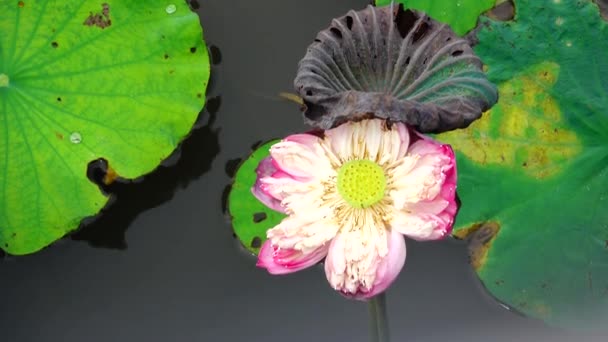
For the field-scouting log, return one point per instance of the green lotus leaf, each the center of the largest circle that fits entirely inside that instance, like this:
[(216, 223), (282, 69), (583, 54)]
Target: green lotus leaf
[(84, 80), (461, 15), (533, 172), (250, 218)]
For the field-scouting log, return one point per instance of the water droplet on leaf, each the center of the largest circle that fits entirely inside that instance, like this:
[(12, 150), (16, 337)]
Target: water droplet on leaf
[(171, 9), (75, 138)]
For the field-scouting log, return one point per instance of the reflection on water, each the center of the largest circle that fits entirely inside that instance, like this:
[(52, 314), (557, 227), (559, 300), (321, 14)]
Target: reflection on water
[(129, 198)]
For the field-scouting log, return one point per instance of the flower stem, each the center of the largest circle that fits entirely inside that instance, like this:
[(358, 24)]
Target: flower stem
[(378, 319)]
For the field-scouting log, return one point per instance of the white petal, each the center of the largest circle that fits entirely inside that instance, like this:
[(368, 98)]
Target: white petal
[(420, 184), (389, 147), (303, 233), (282, 187), (339, 139), (355, 255), (373, 137), (419, 226), (433, 207)]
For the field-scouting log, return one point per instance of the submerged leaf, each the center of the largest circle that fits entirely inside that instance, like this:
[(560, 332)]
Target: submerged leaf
[(80, 81), (533, 172), (396, 64)]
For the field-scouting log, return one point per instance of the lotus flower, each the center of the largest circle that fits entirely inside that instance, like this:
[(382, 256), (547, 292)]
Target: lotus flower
[(351, 195)]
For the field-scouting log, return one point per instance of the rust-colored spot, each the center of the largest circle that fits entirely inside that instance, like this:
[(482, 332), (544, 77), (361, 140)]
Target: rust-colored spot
[(110, 176), (101, 20), (603, 5), (59, 135), (21, 4), (533, 306), (479, 237), (504, 11)]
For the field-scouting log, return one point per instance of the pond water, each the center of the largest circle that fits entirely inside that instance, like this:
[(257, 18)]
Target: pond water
[(162, 265)]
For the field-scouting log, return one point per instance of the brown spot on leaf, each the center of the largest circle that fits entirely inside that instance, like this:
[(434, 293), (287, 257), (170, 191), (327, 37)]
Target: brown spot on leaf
[(59, 135), (603, 5), (503, 12), (479, 237), (541, 309), (110, 176), (21, 4), (101, 20)]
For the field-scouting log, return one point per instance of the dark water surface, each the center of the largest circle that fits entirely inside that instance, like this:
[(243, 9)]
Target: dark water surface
[(162, 265)]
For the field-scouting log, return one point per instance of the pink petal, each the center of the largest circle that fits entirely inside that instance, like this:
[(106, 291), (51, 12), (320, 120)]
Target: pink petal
[(432, 216), (434, 169), (284, 261), (266, 168), (423, 145), (448, 189), (448, 193), (308, 140), (404, 135)]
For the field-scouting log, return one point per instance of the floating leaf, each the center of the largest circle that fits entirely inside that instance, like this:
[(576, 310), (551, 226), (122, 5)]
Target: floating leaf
[(250, 218), (534, 170), (392, 63), (461, 15), (79, 81)]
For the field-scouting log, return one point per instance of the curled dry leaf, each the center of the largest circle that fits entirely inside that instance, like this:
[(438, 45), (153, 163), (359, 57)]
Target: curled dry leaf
[(394, 64)]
